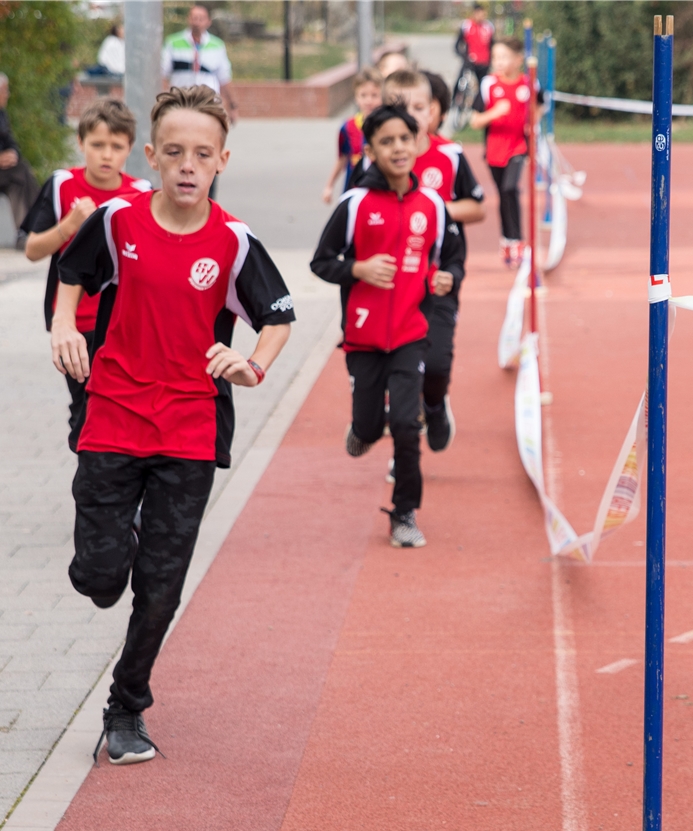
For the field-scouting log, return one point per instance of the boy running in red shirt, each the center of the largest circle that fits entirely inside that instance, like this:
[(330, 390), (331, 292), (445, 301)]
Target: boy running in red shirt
[(106, 133), (367, 95), (442, 166), (174, 271), (502, 109), (389, 244)]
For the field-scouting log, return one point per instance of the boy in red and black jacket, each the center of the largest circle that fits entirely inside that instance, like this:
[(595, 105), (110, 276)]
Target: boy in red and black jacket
[(389, 245)]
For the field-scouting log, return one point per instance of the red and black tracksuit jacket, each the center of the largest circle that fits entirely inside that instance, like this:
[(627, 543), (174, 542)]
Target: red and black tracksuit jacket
[(416, 230)]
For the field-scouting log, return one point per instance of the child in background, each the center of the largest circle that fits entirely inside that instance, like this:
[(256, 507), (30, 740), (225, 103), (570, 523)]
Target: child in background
[(392, 61), (367, 96), (442, 166), (388, 245), (175, 271), (502, 109), (106, 133), (440, 101)]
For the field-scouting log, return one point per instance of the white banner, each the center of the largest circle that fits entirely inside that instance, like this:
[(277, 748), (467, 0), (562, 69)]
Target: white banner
[(511, 330)]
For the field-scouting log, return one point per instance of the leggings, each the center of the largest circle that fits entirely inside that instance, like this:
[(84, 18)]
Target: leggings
[(507, 181)]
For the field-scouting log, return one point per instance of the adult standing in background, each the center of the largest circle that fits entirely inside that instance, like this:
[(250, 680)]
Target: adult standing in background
[(112, 51), (193, 57), (475, 40), (17, 181)]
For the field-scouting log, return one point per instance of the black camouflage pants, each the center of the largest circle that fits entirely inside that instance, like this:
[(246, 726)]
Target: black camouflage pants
[(107, 490), (442, 320)]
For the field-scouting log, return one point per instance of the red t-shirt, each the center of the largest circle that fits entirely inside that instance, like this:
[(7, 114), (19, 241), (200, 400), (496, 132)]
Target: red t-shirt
[(57, 198), (148, 393), (478, 37), (505, 136)]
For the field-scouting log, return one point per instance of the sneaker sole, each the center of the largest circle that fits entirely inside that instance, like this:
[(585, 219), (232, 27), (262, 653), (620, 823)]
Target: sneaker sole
[(389, 478), (133, 758), (396, 544)]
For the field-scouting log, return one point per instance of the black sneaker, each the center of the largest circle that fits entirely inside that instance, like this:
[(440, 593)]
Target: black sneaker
[(404, 532), (440, 426), (128, 741), (354, 445)]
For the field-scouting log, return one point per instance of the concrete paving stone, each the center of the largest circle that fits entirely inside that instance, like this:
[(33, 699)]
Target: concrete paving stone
[(20, 681), (72, 661), (7, 803), (45, 633), (55, 646), (10, 634), (93, 646), (41, 616), (35, 739), (53, 715), (11, 784), (8, 719), (19, 761), (26, 606), (11, 586), (69, 680)]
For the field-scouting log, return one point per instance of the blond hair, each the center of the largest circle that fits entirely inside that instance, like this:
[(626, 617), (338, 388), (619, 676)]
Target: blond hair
[(109, 111), (407, 79), (199, 99), (368, 75)]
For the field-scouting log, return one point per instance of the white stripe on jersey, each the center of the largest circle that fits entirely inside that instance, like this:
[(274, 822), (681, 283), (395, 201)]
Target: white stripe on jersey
[(59, 177), (233, 304), (355, 197), (112, 206), (485, 88)]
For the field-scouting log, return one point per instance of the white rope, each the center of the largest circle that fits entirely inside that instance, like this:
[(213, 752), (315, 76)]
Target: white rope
[(624, 105)]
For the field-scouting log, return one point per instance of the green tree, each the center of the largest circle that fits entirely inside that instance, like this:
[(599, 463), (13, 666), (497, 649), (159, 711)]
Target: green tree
[(37, 41), (605, 48)]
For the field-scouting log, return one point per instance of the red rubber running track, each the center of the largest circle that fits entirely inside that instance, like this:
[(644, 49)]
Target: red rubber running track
[(320, 679)]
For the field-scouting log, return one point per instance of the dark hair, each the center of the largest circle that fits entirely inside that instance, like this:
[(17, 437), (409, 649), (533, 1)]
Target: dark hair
[(477, 7), (440, 91), (110, 111), (512, 43), (200, 99), (113, 31), (386, 113)]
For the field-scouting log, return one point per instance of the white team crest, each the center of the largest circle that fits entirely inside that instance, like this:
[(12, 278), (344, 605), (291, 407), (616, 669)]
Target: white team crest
[(204, 273), (418, 223), (376, 219), (522, 93), (432, 178), (497, 92)]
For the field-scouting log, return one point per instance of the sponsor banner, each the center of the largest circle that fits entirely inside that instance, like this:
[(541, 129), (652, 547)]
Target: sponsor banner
[(511, 331)]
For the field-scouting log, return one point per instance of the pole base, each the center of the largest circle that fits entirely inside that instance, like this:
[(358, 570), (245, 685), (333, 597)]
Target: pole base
[(546, 398)]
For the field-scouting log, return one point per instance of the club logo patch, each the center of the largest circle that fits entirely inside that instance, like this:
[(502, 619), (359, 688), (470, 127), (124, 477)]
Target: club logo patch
[(376, 219), (498, 92), (418, 223), (129, 251), (432, 178), (204, 273), (522, 93)]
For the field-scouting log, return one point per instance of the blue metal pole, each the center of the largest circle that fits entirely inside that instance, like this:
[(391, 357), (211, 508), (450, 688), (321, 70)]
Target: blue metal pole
[(548, 119), (529, 46), (658, 295)]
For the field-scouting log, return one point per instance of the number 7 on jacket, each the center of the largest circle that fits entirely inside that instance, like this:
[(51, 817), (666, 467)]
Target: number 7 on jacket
[(362, 315)]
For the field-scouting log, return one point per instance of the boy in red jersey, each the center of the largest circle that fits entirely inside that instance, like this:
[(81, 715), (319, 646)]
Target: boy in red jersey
[(106, 133), (475, 39), (442, 166), (367, 95), (174, 271), (388, 245), (502, 109)]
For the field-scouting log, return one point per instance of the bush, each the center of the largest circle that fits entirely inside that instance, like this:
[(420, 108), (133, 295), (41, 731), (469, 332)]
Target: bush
[(605, 48), (37, 41)]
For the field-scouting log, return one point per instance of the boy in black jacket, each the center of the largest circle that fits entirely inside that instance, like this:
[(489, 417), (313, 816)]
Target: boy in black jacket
[(389, 244)]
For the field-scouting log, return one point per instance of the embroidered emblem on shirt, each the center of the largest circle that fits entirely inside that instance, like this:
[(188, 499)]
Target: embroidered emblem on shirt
[(129, 251), (522, 93), (432, 178), (204, 273), (418, 223), (376, 219), (283, 304)]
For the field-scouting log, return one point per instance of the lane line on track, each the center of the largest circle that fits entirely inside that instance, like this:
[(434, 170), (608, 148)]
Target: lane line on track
[(55, 785), (617, 666), (567, 689), (686, 637)]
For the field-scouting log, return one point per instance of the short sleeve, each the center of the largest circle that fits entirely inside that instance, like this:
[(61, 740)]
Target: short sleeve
[(466, 185), (87, 259), (257, 291), (41, 215), (224, 73)]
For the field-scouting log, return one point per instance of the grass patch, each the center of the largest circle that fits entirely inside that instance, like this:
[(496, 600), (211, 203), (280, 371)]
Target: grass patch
[(263, 60), (637, 129)]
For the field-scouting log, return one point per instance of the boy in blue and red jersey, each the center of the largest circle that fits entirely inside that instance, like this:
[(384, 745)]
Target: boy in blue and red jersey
[(367, 96), (389, 245), (502, 109), (106, 133)]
